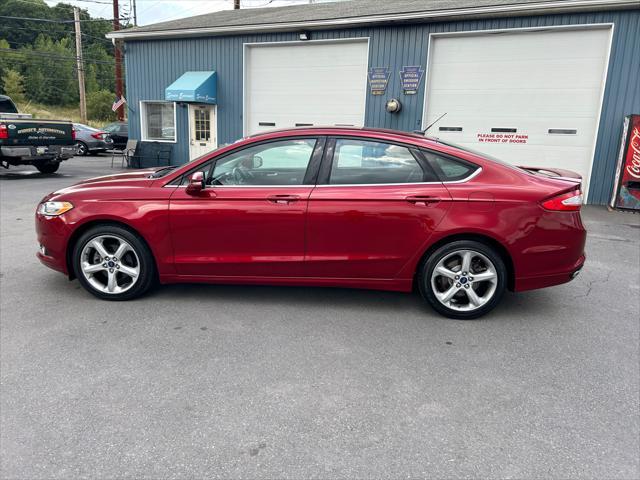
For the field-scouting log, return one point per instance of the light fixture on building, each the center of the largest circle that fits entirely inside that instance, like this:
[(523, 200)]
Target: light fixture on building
[(393, 105), (305, 36)]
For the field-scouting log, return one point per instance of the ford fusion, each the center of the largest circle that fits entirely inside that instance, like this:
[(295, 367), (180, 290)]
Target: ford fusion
[(339, 207)]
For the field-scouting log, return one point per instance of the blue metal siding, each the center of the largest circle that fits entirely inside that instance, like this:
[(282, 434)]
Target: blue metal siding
[(151, 65)]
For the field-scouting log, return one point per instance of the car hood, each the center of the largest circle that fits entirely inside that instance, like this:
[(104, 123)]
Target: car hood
[(120, 177), (137, 178)]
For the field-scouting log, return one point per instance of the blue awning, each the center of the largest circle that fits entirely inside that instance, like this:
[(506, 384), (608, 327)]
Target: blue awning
[(193, 87)]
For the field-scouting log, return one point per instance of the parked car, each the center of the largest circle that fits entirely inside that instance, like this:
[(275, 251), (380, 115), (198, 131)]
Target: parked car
[(119, 133), (342, 207), (28, 141), (91, 140)]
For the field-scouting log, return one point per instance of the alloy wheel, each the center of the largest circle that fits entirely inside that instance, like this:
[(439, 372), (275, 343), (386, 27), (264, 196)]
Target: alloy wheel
[(81, 148), (110, 264), (464, 280)]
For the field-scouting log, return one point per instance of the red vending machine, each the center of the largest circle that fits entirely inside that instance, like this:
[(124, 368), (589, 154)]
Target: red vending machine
[(626, 192)]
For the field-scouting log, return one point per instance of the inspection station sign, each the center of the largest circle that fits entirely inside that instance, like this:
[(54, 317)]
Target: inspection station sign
[(378, 79), (410, 77)]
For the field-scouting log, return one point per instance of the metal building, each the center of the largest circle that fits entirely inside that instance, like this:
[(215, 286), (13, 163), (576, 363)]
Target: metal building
[(537, 83)]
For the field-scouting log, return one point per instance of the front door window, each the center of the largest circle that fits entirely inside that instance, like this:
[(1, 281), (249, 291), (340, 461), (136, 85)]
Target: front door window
[(202, 122), (276, 163)]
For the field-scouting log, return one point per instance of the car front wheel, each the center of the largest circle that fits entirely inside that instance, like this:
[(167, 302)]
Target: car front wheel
[(113, 263), (464, 279)]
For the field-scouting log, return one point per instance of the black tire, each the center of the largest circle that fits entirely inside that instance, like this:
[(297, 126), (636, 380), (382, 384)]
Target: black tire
[(147, 276), (81, 148), (49, 167), (426, 286)]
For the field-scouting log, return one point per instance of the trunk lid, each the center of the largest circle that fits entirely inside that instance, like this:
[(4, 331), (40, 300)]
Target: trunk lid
[(571, 177)]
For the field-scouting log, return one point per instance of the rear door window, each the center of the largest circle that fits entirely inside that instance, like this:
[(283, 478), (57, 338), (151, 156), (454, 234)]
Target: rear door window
[(362, 162)]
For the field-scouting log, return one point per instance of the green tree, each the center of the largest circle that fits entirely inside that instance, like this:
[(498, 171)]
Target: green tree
[(13, 84), (50, 75), (99, 68), (99, 105), (44, 52)]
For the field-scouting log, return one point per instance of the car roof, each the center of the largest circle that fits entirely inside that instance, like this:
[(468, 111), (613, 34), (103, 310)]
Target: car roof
[(384, 134), (399, 135)]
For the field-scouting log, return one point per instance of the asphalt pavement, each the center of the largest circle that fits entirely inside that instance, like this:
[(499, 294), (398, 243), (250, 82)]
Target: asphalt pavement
[(198, 381)]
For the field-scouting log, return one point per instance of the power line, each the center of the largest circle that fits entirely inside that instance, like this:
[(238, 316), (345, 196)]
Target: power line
[(49, 33), (53, 56), (103, 2), (48, 20), (104, 81), (52, 53)]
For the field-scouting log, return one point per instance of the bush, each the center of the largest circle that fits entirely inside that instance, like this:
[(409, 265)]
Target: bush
[(13, 84), (99, 105)]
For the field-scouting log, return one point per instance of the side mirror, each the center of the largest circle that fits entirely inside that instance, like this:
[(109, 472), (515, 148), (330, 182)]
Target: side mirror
[(196, 183)]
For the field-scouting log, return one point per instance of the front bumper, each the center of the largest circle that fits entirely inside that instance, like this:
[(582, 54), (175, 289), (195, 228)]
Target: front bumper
[(53, 234)]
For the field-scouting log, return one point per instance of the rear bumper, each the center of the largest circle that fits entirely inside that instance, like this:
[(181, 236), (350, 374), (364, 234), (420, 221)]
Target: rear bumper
[(99, 145), (557, 278), (30, 154)]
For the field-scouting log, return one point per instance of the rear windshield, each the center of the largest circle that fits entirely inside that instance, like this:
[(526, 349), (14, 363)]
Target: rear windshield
[(480, 154), (7, 106)]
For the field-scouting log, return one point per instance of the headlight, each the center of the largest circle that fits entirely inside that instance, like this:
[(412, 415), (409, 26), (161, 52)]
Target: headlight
[(53, 209)]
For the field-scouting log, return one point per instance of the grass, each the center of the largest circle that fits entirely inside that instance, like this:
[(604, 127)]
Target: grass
[(52, 112)]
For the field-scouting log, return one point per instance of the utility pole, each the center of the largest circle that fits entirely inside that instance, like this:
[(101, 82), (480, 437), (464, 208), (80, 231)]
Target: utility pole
[(236, 4), (80, 65), (135, 14), (118, 58)]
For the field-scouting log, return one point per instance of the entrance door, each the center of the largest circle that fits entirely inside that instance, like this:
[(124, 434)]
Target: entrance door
[(202, 130)]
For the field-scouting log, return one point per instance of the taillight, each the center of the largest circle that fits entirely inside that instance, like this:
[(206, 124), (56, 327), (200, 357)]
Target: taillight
[(4, 132), (565, 202), (73, 133), (98, 135)]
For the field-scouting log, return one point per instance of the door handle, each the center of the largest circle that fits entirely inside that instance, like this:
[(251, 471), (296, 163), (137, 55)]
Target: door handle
[(284, 199), (422, 199)]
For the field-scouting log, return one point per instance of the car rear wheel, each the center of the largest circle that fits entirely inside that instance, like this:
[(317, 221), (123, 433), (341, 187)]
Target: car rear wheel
[(49, 167), (464, 279), (113, 263), (81, 148)]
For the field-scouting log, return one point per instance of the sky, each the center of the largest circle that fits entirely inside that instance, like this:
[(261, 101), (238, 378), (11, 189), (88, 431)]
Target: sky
[(154, 11)]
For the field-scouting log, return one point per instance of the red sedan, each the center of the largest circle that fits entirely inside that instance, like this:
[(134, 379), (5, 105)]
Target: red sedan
[(341, 207)]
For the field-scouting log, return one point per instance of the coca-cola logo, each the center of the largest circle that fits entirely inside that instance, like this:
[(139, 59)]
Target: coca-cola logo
[(634, 168)]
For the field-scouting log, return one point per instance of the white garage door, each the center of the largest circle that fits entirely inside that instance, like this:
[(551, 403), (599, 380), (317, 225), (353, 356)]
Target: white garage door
[(305, 84), (530, 98)]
